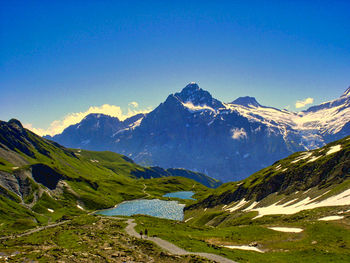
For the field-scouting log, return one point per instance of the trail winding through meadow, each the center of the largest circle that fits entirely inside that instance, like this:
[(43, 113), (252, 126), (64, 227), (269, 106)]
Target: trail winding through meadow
[(170, 247)]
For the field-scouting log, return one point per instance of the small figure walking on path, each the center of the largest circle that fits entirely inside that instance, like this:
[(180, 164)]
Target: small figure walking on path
[(141, 234), (146, 232)]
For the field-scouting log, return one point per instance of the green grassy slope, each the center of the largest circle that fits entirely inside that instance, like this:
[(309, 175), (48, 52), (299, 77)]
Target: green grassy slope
[(41, 181)]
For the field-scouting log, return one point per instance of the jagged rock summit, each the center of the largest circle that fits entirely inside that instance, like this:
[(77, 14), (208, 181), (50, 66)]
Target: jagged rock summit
[(246, 101), (347, 92), (196, 96), (15, 123)]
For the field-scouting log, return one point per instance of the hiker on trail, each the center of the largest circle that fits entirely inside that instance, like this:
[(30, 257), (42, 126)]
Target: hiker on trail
[(146, 232), (141, 234)]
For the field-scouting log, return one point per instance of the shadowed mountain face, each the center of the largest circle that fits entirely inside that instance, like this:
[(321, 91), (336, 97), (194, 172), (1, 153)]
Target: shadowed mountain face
[(94, 132), (228, 141)]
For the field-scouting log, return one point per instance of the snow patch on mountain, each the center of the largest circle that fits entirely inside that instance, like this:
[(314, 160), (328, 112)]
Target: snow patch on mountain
[(194, 108), (238, 134), (334, 149), (293, 207), (302, 157), (135, 124), (330, 218)]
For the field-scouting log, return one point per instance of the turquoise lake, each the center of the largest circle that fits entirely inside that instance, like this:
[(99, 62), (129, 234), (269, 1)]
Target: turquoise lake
[(154, 207), (181, 195)]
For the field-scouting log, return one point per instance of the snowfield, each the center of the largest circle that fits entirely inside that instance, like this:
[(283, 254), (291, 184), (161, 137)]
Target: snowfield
[(293, 206)]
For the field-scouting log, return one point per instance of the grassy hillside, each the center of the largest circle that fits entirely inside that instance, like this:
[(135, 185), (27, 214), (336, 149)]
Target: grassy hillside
[(41, 181)]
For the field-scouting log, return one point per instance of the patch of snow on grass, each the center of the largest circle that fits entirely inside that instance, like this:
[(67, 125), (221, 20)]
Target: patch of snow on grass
[(252, 205), (330, 218), (287, 229), (334, 149), (188, 219), (245, 248), (314, 159), (237, 206), (50, 210), (302, 157), (307, 203), (307, 190), (278, 167), (80, 207), (287, 203)]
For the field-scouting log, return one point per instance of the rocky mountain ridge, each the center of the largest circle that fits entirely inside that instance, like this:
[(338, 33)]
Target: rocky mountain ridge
[(227, 141)]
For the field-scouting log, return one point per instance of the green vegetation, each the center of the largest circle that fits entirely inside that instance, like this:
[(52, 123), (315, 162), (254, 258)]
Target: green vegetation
[(86, 238), (319, 242), (44, 182)]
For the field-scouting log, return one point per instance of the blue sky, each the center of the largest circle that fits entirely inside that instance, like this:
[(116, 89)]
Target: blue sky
[(59, 58)]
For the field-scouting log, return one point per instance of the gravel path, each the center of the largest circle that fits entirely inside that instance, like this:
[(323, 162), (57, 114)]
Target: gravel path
[(170, 247), (144, 190), (35, 230)]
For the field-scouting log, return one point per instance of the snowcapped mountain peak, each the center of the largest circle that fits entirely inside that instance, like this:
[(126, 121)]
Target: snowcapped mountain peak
[(346, 93), (246, 101), (196, 96), (190, 88)]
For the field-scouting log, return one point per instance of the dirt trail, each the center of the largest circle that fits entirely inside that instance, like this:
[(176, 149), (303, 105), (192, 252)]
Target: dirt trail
[(170, 247), (35, 230), (144, 191)]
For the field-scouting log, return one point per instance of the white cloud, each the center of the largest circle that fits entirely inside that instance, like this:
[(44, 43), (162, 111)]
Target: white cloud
[(58, 126), (134, 104), (303, 103), (238, 134)]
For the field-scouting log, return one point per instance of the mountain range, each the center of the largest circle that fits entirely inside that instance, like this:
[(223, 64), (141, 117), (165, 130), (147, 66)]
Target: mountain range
[(296, 210), (227, 141)]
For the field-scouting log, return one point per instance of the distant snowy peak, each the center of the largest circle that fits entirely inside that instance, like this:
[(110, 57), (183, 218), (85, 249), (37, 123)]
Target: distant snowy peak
[(343, 101), (196, 96), (346, 93), (246, 101)]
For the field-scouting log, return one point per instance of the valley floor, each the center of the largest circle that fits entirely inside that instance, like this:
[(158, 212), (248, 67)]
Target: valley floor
[(94, 238)]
